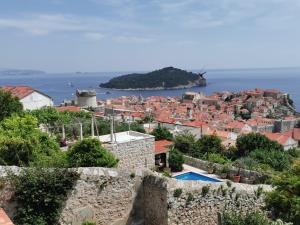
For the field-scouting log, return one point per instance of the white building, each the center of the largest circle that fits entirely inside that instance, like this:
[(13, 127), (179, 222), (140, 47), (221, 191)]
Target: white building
[(30, 98)]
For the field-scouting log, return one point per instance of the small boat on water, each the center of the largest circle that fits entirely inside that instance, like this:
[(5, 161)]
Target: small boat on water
[(70, 84), (107, 93)]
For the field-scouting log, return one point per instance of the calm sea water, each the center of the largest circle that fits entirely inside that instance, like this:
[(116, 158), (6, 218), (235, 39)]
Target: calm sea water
[(57, 85)]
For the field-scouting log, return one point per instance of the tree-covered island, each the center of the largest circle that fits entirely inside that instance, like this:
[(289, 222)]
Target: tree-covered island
[(166, 78)]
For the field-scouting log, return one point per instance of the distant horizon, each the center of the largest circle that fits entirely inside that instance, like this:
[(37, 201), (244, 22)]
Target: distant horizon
[(133, 35), (142, 71)]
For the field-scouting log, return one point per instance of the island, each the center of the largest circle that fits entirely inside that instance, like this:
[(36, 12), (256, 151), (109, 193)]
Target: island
[(166, 78)]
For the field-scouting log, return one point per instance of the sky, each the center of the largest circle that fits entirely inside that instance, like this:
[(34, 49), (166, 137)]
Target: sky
[(142, 35)]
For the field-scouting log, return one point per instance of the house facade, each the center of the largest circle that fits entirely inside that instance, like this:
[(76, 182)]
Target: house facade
[(30, 98)]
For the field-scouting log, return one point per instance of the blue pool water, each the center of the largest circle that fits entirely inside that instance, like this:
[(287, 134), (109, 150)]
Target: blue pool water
[(195, 176)]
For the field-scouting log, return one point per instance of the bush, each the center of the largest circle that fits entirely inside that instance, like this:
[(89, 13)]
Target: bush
[(177, 192), (278, 160), (205, 190), (185, 143), (247, 143), (89, 153), (208, 144), (162, 133), (40, 195), (284, 201), (9, 105), (88, 223), (217, 158), (176, 160), (23, 144), (250, 218)]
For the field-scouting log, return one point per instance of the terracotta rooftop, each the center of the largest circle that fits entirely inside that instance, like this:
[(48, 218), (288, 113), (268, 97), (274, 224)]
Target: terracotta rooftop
[(18, 91), (4, 219), (162, 146), (21, 91), (68, 108)]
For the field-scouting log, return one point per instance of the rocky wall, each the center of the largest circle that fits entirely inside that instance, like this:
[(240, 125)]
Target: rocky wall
[(254, 176), (134, 154)]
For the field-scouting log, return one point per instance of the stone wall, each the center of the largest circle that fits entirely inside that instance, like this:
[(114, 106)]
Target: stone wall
[(193, 205), (155, 199), (114, 197), (254, 176), (134, 154)]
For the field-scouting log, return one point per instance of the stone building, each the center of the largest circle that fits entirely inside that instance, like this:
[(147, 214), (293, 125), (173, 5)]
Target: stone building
[(86, 98), (133, 149)]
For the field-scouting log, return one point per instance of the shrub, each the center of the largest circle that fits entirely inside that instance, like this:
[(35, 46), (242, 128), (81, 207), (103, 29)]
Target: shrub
[(88, 153), (278, 160), (88, 223), (177, 192), (176, 160), (9, 105), (284, 201), (23, 144), (162, 133), (190, 198), (167, 174), (208, 144), (247, 143), (217, 158), (205, 190), (185, 142), (40, 194), (238, 218)]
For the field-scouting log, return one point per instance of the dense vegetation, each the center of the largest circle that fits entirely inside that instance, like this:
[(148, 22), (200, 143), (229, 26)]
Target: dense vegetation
[(23, 144), (162, 133), (9, 105), (284, 201), (168, 77), (90, 153), (176, 160), (253, 151), (40, 195), (249, 218)]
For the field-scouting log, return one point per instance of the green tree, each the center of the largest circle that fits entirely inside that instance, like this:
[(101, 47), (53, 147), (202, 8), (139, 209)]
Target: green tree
[(176, 160), (284, 201), (185, 142), (247, 143), (208, 144), (21, 138), (15, 151), (9, 105), (162, 133), (40, 195), (89, 153)]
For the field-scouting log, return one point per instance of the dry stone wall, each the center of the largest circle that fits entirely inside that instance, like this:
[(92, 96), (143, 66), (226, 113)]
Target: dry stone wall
[(134, 154), (141, 197)]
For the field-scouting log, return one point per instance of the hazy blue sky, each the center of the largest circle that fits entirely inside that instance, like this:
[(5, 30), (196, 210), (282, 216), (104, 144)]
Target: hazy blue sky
[(126, 35)]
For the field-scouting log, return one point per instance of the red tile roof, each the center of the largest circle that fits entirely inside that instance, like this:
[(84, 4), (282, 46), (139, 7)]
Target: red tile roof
[(21, 91), (162, 146), (4, 219), (18, 91), (68, 108), (296, 134), (279, 137)]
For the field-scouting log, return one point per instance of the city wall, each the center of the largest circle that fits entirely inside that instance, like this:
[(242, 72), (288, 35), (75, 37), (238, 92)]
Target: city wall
[(113, 197)]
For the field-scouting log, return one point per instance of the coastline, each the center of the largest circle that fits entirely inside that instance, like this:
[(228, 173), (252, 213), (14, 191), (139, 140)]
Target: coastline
[(156, 88)]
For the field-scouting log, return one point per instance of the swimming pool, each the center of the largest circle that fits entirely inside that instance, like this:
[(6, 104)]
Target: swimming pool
[(195, 176)]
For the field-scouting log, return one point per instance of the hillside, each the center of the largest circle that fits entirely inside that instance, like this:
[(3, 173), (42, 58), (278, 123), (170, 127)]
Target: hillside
[(166, 78)]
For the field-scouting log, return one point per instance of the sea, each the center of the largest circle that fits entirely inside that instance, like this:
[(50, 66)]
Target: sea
[(61, 86)]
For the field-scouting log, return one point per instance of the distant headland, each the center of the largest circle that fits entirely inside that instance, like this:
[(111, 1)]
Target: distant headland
[(166, 78)]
